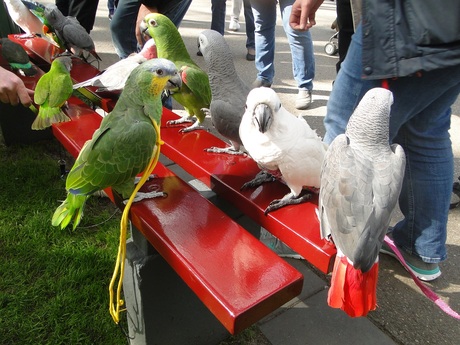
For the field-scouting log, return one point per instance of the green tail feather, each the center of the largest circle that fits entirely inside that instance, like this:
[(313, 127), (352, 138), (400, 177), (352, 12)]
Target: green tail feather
[(70, 210), (47, 116)]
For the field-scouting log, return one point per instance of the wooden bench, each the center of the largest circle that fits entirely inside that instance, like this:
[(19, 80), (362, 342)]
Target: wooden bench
[(235, 276)]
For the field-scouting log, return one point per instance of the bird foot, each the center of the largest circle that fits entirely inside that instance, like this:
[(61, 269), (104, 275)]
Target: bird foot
[(184, 119), (141, 196), (151, 177), (261, 178), (193, 127), (287, 200), (228, 150)]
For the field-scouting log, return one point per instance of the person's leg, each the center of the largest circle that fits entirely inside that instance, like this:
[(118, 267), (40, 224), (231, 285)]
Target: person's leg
[(218, 8), (234, 24), (347, 90), (84, 11), (303, 59), (250, 40), (123, 27), (264, 12), (345, 27), (421, 126), (176, 10)]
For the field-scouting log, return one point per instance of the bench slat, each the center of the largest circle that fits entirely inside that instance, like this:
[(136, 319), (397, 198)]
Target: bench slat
[(295, 225), (237, 277)]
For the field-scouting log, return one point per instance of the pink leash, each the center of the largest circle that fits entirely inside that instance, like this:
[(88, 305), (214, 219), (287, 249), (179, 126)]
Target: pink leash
[(426, 290)]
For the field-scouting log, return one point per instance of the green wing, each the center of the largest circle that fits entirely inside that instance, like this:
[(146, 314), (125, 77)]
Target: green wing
[(195, 92), (118, 151), (60, 89)]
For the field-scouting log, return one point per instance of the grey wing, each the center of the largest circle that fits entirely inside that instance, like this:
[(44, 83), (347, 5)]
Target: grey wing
[(226, 118), (76, 35)]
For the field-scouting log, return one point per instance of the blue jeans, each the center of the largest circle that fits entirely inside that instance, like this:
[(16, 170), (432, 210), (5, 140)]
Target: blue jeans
[(300, 43), (123, 24), (420, 120), (218, 9)]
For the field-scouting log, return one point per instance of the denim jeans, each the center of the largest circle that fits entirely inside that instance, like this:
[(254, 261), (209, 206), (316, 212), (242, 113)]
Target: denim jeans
[(419, 122), (300, 43), (218, 9), (123, 24)]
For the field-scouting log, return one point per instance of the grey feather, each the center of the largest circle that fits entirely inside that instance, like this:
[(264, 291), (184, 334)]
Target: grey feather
[(229, 92), (69, 31), (361, 180)]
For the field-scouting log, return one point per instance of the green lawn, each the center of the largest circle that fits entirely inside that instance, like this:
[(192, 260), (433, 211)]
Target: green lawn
[(54, 283)]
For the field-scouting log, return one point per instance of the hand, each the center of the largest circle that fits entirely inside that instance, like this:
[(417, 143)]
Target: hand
[(143, 11), (13, 90), (303, 14)]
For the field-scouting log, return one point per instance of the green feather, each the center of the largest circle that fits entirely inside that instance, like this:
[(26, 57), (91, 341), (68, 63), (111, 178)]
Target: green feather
[(121, 148)]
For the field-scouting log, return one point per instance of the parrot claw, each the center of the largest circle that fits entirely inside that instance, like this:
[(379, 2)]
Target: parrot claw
[(181, 120), (141, 196), (151, 177), (261, 177), (228, 150), (193, 127), (289, 199)]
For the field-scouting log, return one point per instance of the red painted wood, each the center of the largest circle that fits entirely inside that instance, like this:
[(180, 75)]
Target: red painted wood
[(295, 225), (41, 52), (237, 277)]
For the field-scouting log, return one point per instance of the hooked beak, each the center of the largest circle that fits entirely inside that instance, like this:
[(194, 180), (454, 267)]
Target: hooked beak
[(263, 117), (174, 82)]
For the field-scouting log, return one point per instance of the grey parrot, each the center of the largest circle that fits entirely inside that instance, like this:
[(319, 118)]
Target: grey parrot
[(229, 92), (69, 31), (283, 145), (361, 180), (114, 77)]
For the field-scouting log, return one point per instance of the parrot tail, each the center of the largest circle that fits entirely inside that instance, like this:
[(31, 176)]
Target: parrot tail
[(70, 210), (47, 116), (352, 290)]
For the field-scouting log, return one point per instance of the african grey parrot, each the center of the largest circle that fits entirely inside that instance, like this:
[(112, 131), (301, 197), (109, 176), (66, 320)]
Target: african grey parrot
[(70, 32), (282, 144), (229, 92), (361, 180)]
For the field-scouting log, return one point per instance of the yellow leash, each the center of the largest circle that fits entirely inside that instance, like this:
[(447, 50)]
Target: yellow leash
[(115, 305)]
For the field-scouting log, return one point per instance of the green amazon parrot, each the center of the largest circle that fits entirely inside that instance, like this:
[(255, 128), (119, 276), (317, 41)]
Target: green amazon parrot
[(123, 145), (195, 93), (53, 90)]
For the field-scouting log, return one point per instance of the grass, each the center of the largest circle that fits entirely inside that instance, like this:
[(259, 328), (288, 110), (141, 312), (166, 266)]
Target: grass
[(54, 283)]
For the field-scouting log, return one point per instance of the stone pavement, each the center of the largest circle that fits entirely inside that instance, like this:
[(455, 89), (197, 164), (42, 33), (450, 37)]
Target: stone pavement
[(404, 315)]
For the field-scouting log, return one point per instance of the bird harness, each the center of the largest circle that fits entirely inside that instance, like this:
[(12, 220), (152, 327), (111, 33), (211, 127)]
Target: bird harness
[(116, 302)]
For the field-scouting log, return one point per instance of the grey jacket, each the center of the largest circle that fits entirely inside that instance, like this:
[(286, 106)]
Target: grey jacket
[(403, 37)]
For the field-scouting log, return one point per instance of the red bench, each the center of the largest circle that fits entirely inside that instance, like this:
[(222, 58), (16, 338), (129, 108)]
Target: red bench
[(238, 278)]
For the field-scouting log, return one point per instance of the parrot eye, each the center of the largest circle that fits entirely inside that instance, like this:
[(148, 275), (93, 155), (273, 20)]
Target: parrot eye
[(160, 71), (153, 22)]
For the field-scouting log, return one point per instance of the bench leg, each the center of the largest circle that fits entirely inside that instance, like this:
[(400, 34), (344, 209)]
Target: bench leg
[(161, 308)]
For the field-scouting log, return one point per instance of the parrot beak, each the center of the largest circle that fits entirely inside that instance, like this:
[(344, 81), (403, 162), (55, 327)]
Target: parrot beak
[(174, 82), (143, 28), (263, 117)]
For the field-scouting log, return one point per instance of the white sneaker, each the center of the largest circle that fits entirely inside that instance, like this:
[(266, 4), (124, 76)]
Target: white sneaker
[(234, 25), (303, 99)]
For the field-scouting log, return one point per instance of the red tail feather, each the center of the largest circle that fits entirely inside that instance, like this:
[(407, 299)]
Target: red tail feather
[(351, 290)]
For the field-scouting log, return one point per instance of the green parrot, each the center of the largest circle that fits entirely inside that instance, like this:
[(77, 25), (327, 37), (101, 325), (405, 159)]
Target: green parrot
[(195, 93), (123, 145), (52, 91)]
